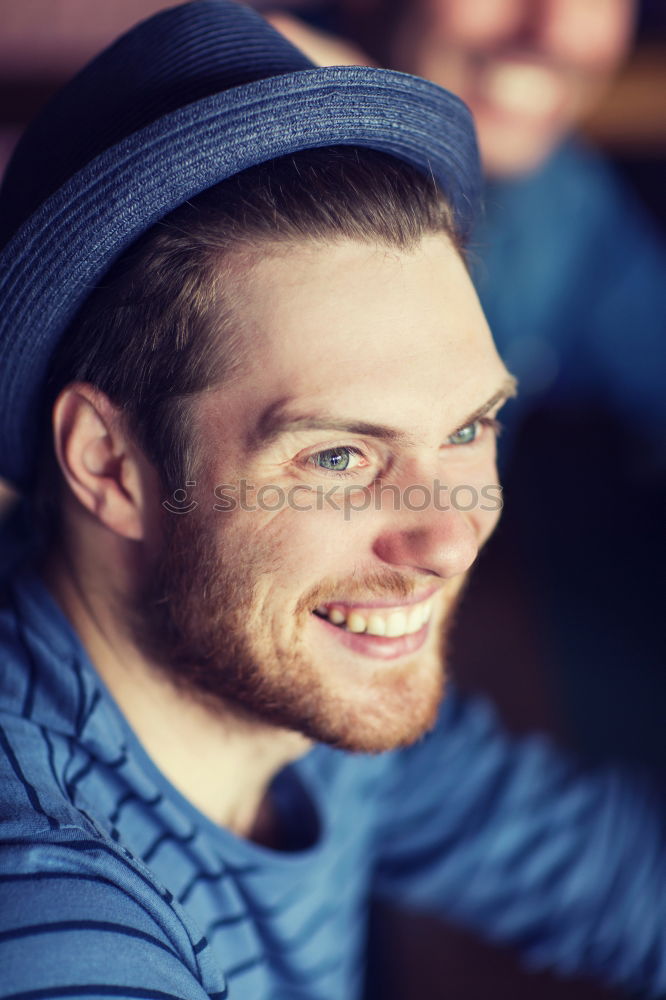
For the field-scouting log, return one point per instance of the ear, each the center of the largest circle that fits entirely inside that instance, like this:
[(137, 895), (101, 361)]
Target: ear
[(104, 469)]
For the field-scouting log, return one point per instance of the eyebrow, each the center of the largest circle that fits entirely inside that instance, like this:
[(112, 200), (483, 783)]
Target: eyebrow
[(274, 422)]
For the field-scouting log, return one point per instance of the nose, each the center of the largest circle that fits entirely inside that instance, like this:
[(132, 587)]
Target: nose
[(439, 541), (480, 22)]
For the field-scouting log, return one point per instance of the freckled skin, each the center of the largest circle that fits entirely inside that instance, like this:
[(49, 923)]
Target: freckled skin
[(371, 333)]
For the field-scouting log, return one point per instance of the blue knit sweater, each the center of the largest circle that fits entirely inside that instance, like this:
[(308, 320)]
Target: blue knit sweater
[(113, 885)]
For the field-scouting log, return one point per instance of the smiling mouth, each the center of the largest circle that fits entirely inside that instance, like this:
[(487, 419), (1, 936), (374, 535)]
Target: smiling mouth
[(525, 89), (391, 623)]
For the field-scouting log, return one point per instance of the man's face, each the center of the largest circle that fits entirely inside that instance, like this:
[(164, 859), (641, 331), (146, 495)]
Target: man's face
[(370, 485), (528, 69)]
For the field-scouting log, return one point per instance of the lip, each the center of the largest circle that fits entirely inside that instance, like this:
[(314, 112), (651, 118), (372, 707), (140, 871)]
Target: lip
[(378, 647), (357, 606)]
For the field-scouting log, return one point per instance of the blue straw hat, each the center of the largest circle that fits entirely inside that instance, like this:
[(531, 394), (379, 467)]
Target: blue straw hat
[(186, 99)]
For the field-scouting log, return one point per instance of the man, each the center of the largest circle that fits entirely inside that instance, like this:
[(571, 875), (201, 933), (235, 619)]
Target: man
[(265, 464), (578, 316)]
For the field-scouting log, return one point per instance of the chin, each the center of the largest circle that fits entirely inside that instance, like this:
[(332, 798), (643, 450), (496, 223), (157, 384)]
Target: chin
[(351, 692), (511, 148), (517, 152), (389, 727), (385, 708)]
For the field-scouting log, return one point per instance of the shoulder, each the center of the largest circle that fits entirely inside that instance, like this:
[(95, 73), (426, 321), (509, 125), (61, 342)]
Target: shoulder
[(81, 915), (80, 912), (69, 892)]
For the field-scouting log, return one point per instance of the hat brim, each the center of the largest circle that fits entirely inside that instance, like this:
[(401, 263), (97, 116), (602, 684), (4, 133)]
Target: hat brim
[(54, 261)]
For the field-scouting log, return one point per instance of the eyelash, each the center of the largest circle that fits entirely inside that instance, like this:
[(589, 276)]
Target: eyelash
[(492, 422), (344, 474)]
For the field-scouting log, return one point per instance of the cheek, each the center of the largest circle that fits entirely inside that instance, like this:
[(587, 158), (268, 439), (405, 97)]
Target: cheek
[(593, 35), (488, 512), (436, 60), (480, 504), (474, 490), (312, 534)]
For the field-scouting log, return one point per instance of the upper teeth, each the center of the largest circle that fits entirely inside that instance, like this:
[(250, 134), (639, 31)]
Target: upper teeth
[(379, 621)]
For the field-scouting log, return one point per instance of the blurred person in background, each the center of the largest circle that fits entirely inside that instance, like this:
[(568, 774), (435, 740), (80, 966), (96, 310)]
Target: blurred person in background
[(528, 69)]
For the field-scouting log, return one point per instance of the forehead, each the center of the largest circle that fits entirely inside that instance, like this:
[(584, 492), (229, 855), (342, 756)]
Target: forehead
[(368, 330)]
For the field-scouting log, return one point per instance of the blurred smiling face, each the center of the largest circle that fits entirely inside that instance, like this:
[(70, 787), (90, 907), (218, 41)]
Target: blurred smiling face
[(371, 377), (528, 69)]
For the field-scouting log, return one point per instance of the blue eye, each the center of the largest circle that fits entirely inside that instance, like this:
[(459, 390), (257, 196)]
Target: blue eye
[(334, 459), (466, 434)]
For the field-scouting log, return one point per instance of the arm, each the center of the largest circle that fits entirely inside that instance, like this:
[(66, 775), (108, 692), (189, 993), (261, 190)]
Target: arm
[(510, 838)]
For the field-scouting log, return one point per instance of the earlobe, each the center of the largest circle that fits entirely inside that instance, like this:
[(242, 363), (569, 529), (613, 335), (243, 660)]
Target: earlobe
[(98, 459)]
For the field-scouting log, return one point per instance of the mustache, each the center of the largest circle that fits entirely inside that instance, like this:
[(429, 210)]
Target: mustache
[(385, 583)]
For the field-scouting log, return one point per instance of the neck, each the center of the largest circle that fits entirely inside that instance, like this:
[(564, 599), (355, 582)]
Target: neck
[(220, 761)]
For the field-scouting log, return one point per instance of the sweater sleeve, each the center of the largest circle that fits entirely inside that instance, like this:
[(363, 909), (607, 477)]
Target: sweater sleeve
[(509, 837), (79, 920)]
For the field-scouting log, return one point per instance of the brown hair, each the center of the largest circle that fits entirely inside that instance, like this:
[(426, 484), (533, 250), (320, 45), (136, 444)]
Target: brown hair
[(159, 328)]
